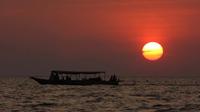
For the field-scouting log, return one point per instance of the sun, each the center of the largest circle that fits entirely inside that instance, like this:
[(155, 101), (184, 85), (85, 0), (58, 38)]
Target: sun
[(152, 51)]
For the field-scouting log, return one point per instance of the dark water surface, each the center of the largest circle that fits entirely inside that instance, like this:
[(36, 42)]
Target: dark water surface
[(25, 95)]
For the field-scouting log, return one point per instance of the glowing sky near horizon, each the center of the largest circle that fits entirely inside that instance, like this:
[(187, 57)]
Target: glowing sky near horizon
[(37, 36)]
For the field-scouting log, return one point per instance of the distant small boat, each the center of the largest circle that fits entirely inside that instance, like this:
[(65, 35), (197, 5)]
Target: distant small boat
[(78, 78)]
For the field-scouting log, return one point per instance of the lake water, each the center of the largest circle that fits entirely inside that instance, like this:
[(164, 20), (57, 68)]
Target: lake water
[(152, 95)]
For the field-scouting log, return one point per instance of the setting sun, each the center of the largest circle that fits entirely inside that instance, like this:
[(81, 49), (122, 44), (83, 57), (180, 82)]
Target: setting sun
[(152, 51)]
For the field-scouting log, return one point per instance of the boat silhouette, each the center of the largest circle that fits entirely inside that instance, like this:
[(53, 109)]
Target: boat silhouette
[(78, 78)]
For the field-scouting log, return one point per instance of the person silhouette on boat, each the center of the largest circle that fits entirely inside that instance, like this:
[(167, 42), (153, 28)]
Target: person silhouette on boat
[(63, 78), (113, 78), (68, 78), (54, 77), (51, 76)]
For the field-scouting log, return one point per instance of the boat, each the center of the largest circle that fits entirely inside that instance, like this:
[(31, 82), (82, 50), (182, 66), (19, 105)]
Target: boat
[(78, 78)]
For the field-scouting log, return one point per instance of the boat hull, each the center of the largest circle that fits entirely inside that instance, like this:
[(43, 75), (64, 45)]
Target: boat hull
[(73, 82)]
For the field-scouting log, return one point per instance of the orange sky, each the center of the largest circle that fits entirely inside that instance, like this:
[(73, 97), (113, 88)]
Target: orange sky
[(37, 36)]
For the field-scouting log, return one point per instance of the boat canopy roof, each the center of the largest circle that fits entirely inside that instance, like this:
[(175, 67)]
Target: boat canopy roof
[(77, 72)]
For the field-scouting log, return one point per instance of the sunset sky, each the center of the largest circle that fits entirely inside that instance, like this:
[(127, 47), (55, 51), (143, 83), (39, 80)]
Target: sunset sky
[(37, 36)]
